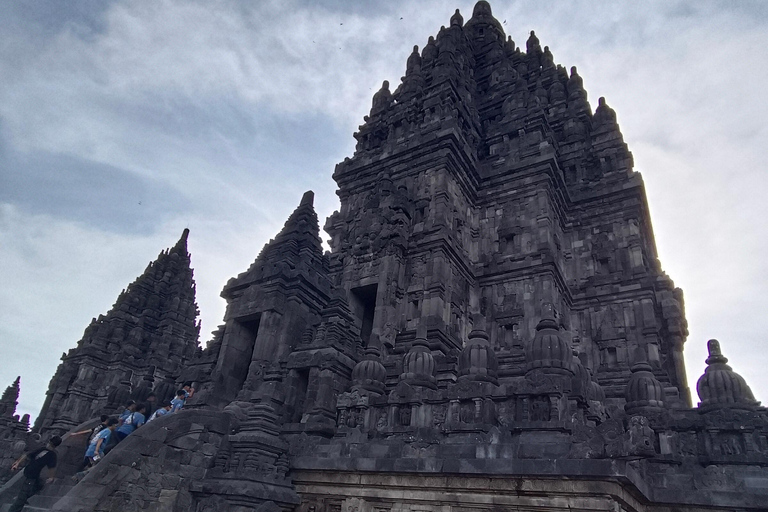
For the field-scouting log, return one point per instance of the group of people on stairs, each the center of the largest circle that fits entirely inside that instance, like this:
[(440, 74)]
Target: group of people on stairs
[(106, 435), (103, 438)]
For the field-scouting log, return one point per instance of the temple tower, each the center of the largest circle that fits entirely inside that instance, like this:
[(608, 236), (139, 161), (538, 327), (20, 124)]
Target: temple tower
[(490, 330), (149, 333), (486, 185), (269, 308)]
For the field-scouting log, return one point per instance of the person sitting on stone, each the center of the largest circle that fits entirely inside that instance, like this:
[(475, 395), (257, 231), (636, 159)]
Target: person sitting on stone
[(164, 409), (96, 448), (132, 422), (34, 463), (178, 402), (130, 407)]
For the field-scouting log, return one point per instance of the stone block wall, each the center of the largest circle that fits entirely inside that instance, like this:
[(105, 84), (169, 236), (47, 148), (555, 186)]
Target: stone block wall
[(151, 470), (393, 492)]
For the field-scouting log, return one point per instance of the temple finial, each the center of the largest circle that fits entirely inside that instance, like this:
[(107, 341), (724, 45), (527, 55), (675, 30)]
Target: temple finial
[(532, 45), (382, 99), (715, 353), (308, 198), (181, 245), (548, 311), (457, 19), (482, 8), (604, 115)]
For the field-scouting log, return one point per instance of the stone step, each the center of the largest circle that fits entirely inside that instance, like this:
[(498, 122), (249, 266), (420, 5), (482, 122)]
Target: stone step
[(47, 497), (60, 488), (44, 502)]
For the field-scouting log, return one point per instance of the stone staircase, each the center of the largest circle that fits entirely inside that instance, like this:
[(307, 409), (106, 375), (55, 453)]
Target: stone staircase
[(50, 494), (70, 455), (46, 498)]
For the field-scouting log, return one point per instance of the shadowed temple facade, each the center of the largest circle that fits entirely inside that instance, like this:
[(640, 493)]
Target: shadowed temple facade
[(490, 331)]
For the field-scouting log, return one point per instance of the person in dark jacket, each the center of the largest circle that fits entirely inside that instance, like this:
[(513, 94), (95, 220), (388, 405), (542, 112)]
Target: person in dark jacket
[(34, 462)]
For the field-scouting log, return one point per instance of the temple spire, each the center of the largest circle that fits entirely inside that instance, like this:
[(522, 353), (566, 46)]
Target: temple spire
[(151, 330), (11, 393), (303, 222), (308, 199), (298, 242), (181, 245), (9, 400)]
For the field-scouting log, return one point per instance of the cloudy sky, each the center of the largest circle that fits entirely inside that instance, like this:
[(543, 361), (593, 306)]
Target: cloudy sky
[(122, 123)]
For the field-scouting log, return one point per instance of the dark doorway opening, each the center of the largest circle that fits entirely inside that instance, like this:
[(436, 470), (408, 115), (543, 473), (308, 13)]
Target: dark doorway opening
[(301, 384), (364, 305), (248, 330)]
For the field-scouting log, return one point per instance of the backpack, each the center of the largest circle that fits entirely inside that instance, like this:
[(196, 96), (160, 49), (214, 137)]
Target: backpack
[(95, 433), (129, 421)]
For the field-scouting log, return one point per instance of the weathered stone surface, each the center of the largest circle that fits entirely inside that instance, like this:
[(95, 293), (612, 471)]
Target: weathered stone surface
[(159, 480), (491, 329), (15, 437)]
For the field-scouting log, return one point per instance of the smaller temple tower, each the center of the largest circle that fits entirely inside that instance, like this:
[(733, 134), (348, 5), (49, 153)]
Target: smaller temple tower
[(270, 307), (148, 335), (14, 431)]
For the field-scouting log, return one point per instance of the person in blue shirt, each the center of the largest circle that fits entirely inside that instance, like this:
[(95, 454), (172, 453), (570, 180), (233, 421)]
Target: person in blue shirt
[(164, 409), (131, 423), (96, 449), (178, 402), (130, 407)]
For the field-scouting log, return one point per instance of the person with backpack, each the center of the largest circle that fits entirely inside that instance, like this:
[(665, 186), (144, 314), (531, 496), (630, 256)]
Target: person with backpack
[(98, 428), (34, 462), (164, 409), (130, 407), (95, 430), (131, 422), (96, 448)]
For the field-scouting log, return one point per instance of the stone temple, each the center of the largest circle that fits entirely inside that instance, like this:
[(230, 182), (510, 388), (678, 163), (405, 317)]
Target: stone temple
[(491, 330)]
